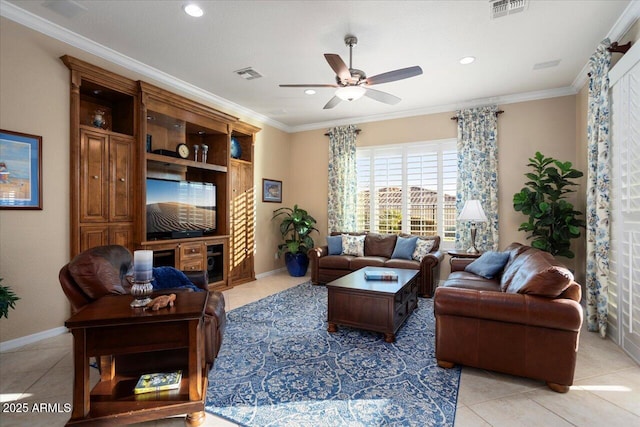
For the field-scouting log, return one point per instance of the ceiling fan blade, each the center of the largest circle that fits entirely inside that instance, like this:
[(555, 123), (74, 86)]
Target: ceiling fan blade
[(385, 97), (338, 65), (392, 76), (310, 85), (332, 103)]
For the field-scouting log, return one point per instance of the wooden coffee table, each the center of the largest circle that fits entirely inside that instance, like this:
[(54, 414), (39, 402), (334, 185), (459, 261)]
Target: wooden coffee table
[(108, 329), (374, 305)]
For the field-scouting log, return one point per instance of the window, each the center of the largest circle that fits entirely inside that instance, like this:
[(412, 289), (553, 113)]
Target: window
[(414, 188)]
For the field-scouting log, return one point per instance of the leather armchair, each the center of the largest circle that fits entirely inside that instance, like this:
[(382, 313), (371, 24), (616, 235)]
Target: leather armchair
[(102, 270)]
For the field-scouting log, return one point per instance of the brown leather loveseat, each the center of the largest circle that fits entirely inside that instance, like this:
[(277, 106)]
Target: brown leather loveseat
[(526, 321), (378, 251), (101, 271)]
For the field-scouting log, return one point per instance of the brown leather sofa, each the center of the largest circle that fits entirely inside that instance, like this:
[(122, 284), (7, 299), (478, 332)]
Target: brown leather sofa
[(101, 271), (524, 322), (378, 249)]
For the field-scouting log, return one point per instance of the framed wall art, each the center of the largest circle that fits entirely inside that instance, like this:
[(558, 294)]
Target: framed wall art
[(271, 191), (20, 170)]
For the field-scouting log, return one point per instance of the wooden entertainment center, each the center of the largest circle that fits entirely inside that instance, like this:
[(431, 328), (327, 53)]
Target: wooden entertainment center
[(125, 131)]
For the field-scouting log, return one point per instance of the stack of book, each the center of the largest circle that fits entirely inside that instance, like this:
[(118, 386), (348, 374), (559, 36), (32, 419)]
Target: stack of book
[(380, 275)]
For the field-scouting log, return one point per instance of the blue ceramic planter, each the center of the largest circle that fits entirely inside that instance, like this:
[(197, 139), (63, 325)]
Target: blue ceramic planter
[(297, 264)]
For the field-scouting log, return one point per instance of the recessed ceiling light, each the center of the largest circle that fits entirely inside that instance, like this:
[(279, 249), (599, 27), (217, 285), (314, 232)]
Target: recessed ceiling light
[(467, 60), (310, 92), (193, 9)]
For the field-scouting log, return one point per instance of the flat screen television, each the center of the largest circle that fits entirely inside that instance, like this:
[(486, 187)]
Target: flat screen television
[(178, 209)]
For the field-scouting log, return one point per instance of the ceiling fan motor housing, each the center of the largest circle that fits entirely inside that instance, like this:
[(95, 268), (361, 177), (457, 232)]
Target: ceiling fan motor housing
[(357, 76)]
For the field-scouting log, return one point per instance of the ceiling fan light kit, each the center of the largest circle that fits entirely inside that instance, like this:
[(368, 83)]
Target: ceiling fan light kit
[(350, 93), (353, 84)]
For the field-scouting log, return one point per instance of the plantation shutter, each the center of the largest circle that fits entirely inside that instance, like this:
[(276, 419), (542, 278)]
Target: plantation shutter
[(363, 167), (422, 172), (624, 277), (389, 191), (409, 188)]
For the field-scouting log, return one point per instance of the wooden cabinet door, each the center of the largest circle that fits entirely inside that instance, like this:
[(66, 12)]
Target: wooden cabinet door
[(94, 177), (92, 236), (121, 179), (242, 227), (121, 235), (100, 235)]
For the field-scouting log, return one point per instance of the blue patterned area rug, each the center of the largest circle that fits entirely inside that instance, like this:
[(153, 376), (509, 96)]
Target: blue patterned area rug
[(278, 366)]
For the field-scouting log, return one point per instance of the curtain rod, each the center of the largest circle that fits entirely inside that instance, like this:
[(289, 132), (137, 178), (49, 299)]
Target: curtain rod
[(357, 132), (616, 48), (497, 114)]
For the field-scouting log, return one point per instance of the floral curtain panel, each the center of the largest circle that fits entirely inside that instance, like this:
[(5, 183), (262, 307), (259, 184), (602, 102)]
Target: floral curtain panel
[(598, 189), (478, 173), (342, 179)]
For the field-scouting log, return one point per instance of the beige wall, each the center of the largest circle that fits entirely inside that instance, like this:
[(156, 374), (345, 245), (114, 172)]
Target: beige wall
[(34, 244), (547, 125), (273, 157)]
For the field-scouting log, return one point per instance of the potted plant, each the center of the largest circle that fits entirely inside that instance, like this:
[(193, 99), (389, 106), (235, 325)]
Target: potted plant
[(7, 300), (553, 221), (296, 227)]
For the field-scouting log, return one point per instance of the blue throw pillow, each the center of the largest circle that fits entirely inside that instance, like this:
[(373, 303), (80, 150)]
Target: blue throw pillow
[(404, 247), (169, 277), (489, 264), (335, 245)]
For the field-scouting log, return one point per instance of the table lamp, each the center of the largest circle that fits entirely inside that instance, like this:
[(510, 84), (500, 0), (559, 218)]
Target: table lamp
[(472, 212)]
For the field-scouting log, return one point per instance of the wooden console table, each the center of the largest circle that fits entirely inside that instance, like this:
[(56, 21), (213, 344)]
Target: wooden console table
[(108, 329)]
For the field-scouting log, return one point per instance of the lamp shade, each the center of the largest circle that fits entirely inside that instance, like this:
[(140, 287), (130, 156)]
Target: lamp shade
[(472, 211), (350, 93)]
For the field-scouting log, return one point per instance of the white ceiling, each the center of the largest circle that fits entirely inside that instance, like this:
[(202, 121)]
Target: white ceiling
[(285, 42)]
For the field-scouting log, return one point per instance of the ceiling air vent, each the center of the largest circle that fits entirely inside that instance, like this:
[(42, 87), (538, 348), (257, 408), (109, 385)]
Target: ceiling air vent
[(68, 8), (501, 8), (248, 73)]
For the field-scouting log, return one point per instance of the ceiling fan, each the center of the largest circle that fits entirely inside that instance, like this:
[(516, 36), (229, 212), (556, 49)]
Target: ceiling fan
[(352, 83)]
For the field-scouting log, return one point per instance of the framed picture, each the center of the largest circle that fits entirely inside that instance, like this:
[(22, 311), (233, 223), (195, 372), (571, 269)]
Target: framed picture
[(20, 170), (271, 190)]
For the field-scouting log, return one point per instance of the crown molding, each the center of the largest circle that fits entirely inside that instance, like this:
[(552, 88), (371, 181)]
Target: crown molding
[(626, 20), (48, 28), (498, 100)]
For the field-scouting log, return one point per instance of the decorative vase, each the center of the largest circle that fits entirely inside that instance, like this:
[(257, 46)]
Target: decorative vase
[(297, 264), (98, 119), (236, 150)]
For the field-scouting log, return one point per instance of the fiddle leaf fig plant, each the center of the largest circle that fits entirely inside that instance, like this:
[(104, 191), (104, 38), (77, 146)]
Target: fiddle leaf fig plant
[(553, 221), (7, 300), (295, 228)]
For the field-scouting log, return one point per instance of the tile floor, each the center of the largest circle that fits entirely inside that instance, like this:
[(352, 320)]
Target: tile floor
[(606, 391)]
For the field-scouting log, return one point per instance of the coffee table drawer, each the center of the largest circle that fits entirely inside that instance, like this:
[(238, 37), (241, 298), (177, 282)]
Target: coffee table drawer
[(360, 310)]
